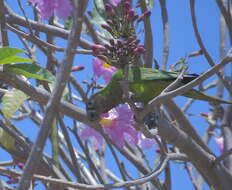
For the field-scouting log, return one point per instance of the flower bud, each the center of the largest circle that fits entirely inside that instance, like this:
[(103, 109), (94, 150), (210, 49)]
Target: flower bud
[(112, 41), (158, 151), (135, 18), (77, 68), (107, 27), (130, 38), (97, 47), (204, 114), (107, 46), (140, 49), (131, 13), (196, 53), (102, 57), (12, 180), (109, 8), (147, 13), (110, 22), (136, 42), (144, 15), (119, 43), (127, 5), (212, 133), (21, 165)]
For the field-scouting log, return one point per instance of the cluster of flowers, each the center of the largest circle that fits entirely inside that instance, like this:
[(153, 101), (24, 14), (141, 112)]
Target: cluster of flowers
[(118, 122), (118, 125), (121, 18), (118, 53), (124, 47)]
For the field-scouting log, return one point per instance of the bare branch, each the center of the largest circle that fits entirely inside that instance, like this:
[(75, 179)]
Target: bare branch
[(203, 48), (164, 13), (142, 180), (50, 112), (148, 58), (13, 18)]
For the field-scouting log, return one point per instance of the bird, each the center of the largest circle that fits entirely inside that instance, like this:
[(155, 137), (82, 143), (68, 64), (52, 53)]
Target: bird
[(144, 84)]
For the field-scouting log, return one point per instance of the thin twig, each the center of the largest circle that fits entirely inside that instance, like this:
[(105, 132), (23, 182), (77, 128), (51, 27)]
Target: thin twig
[(50, 112), (40, 42), (159, 99), (203, 48), (226, 16), (77, 170), (3, 32), (78, 87), (91, 30), (87, 155), (139, 181), (148, 41), (164, 14), (24, 14), (12, 18), (191, 176)]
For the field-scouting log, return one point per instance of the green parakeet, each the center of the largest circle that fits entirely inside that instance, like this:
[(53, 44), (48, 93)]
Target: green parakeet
[(144, 84)]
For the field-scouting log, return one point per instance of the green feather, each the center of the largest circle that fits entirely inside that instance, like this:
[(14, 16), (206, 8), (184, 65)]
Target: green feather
[(145, 84)]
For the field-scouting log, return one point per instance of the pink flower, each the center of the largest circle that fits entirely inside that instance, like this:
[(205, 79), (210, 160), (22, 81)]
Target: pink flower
[(115, 2), (96, 138), (101, 68), (12, 180), (117, 123), (144, 142), (220, 144), (59, 8), (21, 165)]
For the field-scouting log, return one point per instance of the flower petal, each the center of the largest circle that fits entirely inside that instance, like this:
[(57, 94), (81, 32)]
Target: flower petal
[(88, 132), (220, 144), (59, 8), (100, 68)]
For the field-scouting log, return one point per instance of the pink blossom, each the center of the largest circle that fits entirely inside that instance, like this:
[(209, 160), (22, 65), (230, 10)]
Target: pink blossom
[(145, 143), (115, 2), (220, 144), (101, 68), (96, 138), (49, 8), (117, 123), (21, 165)]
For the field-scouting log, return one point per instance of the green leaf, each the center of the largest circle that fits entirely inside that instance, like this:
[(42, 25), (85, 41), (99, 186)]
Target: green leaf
[(6, 141), (30, 71), (68, 23), (7, 55), (150, 3), (12, 101), (99, 5), (15, 59), (97, 17)]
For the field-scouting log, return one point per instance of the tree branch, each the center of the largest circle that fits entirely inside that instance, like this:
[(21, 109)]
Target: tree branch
[(50, 112)]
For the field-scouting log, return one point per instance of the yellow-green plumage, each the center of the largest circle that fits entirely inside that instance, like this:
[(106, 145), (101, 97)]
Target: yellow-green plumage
[(144, 84)]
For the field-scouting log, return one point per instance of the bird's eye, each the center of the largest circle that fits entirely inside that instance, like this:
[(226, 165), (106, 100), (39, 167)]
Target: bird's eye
[(90, 104), (92, 115)]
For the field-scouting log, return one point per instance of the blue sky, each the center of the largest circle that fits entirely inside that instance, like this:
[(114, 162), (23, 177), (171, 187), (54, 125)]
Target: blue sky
[(182, 42)]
